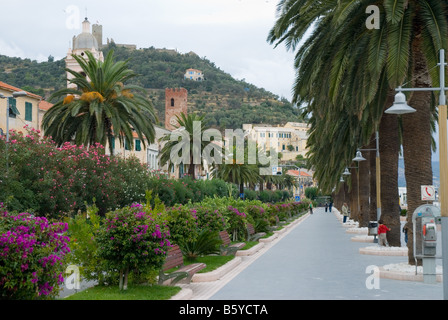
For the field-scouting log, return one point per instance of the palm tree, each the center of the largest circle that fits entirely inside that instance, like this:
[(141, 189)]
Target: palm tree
[(101, 106), (237, 173), (188, 131), (353, 67)]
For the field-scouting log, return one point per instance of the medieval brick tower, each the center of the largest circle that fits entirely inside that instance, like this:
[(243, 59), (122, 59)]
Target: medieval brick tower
[(175, 104)]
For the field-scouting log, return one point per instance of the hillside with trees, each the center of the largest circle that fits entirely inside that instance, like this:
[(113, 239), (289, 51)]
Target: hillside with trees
[(226, 102)]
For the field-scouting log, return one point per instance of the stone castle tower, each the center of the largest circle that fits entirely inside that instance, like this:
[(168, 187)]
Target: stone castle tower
[(175, 104), (97, 32)]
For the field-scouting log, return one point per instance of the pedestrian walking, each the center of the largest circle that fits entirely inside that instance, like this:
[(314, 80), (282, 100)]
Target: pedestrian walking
[(331, 205), (326, 206), (311, 208), (382, 233), (345, 211), (405, 231)]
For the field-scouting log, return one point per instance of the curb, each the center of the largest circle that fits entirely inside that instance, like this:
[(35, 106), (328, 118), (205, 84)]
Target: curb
[(250, 251), (405, 276), (357, 230), (363, 238), (380, 251)]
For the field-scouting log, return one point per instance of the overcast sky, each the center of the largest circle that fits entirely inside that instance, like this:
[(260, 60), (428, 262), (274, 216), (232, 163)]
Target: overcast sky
[(230, 33)]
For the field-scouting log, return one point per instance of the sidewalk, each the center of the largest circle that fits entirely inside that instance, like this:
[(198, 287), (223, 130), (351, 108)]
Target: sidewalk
[(314, 259)]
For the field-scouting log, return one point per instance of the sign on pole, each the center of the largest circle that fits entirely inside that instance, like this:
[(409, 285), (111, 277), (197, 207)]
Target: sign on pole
[(428, 193)]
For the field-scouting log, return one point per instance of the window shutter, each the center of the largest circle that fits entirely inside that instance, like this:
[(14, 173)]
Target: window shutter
[(126, 144), (28, 111), (13, 112), (138, 147)]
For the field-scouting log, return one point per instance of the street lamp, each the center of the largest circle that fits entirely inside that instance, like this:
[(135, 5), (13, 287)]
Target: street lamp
[(346, 172), (400, 105), (359, 156), (443, 158), (15, 94)]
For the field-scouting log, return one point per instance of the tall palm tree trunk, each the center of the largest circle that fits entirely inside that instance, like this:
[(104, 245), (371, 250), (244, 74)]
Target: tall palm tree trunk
[(389, 151), (417, 142)]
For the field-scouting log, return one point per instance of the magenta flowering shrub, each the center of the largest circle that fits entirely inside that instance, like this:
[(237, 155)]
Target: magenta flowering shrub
[(211, 219), (32, 251), (183, 224), (133, 238), (237, 223)]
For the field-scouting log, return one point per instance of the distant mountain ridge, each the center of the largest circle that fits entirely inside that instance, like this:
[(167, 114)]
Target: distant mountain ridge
[(226, 102)]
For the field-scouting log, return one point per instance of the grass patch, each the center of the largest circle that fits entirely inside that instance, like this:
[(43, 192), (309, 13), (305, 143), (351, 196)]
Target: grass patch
[(134, 292), (268, 235), (249, 244), (212, 262)]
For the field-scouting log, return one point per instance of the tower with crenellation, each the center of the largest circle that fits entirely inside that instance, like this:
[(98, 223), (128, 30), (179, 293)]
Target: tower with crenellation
[(175, 105)]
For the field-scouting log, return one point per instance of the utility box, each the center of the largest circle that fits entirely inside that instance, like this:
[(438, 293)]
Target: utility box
[(424, 220), (373, 228)]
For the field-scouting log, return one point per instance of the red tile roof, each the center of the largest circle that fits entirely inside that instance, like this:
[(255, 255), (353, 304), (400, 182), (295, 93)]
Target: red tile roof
[(45, 105), (296, 173), (11, 88)]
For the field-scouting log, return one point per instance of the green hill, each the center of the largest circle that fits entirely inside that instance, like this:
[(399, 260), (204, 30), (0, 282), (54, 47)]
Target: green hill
[(225, 101)]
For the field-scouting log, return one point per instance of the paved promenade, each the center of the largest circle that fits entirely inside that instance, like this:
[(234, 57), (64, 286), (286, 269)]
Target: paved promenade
[(315, 259)]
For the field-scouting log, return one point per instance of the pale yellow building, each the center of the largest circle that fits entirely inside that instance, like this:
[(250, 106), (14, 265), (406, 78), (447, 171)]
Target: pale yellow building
[(290, 140), (23, 111), (149, 155)]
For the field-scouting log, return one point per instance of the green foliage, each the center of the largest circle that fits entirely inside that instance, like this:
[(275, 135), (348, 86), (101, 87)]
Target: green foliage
[(206, 243), (311, 192), (82, 229), (183, 224), (134, 292)]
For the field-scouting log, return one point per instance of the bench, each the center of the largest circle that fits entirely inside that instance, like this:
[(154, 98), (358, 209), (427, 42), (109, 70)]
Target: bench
[(174, 258), (227, 248), (251, 235)]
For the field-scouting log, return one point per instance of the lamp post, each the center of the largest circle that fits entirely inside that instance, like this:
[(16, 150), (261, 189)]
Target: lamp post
[(347, 173), (400, 107), (359, 158), (15, 94)]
